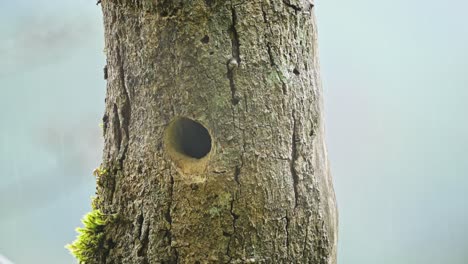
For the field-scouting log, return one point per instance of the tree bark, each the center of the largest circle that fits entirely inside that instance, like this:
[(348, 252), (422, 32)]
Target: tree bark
[(214, 136)]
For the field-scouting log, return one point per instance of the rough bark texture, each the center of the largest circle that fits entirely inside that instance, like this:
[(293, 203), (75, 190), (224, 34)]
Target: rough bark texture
[(248, 72)]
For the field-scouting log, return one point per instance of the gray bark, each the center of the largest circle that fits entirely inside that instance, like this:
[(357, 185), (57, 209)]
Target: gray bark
[(254, 187)]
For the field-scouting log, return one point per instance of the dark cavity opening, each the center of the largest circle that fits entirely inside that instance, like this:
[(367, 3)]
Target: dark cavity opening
[(296, 71), (189, 138), (205, 39)]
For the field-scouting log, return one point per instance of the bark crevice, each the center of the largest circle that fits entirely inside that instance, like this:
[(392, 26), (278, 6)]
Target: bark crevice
[(124, 110), (117, 133), (143, 237), (294, 156), (236, 174), (235, 60), (286, 218), (270, 55), (235, 36), (234, 228), (168, 215)]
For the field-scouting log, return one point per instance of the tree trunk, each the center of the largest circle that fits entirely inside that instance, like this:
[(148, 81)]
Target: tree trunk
[(214, 141)]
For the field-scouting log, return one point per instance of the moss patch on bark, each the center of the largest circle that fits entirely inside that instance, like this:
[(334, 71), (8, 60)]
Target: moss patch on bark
[(90, 239)]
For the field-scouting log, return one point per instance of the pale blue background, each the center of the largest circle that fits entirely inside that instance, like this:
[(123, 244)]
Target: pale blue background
[(395, 77)]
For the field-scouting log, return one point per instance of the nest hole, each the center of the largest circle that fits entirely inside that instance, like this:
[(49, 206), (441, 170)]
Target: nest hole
[(188, 138)]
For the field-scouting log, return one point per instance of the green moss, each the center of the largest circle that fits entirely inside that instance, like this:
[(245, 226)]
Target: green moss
[(90, 238), (100, 172)]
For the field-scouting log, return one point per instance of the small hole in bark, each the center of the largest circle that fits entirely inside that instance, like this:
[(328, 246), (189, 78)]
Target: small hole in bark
[(209, 3), (205, 39), (295, 71), (188, 138), (235, 100)]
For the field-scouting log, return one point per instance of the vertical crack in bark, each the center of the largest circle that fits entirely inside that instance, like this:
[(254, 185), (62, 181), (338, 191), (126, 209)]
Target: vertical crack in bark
[(140, 221), (110, 182), (116, 127), (234, 219), (262, 7), (234, 216), (235, 61), (124, 111), (268, 44), (236, 174), (143, 236), (284, 88), (235, 36), (168, 217), (294, 156), (270, 55), (286, 218), (232, 66)]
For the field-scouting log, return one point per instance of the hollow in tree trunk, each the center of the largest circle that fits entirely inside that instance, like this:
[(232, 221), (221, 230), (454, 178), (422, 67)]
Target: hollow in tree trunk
[(214, 137)]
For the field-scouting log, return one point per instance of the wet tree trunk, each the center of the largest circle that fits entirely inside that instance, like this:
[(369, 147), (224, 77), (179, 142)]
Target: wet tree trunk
[(214, 139)]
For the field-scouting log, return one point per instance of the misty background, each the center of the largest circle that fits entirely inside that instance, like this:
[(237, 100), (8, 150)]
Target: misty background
[(395, 79)]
